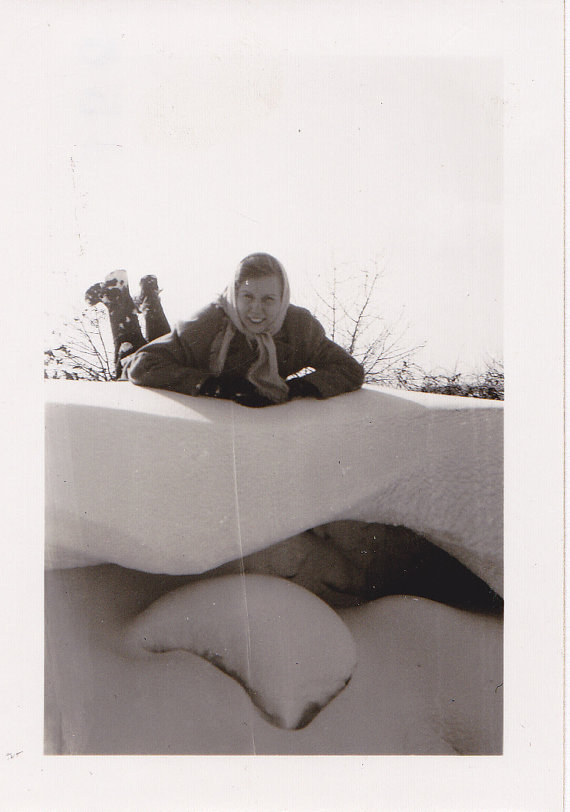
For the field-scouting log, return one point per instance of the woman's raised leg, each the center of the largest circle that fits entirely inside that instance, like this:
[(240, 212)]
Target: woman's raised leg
[(154, 322), (125, 328)]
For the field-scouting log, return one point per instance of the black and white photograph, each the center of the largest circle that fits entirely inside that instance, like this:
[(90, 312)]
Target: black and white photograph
[(293, 476)]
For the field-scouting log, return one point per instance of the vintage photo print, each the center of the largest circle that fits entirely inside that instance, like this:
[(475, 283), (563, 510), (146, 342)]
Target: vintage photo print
[(294, 539)]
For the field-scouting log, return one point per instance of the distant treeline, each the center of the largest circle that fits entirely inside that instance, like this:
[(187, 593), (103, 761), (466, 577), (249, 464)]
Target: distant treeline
[(490, 384)]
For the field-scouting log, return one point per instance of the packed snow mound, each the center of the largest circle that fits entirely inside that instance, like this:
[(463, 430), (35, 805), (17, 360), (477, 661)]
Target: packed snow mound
[(428, 681), (167, 483), (289, 650)]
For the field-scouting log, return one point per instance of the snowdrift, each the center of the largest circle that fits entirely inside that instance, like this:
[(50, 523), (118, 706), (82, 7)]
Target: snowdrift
[(168, 483), (265, 632), (152, 496)]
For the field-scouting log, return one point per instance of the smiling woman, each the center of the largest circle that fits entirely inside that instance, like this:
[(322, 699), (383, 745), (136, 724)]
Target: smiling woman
[(249, 346), (258, 302)]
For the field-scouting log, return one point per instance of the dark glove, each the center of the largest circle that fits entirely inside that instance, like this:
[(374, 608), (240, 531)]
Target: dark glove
[(225, 386), (233, 387), (211, 387), (301, 388), (254, 400)]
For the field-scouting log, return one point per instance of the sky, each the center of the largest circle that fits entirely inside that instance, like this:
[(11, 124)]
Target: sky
[(179, 143)]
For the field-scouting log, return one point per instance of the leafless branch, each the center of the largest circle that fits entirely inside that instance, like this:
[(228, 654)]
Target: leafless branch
[(82, 353)]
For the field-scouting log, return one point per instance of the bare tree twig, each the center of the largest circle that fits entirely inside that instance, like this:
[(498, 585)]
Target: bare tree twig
[(82, 353)]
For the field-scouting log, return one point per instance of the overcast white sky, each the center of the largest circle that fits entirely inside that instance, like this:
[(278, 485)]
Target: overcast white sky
[(179, 142)]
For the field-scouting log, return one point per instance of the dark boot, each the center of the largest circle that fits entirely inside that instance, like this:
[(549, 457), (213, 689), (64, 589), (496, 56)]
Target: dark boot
[(155, 323), (114, 294)]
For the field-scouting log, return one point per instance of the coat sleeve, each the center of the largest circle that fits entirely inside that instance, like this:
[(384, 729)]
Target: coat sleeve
[(336, 371), (170, 362)]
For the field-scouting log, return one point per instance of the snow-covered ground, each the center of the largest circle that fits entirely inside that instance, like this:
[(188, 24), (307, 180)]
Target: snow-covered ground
[(141, 483), (168, 483)]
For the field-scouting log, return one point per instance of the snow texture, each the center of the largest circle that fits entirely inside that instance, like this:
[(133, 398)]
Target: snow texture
[(162, 482), (168, 486), (288, 649), (428, 681)]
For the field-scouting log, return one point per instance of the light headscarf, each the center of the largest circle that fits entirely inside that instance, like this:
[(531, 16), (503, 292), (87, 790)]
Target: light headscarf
[(263, 373)]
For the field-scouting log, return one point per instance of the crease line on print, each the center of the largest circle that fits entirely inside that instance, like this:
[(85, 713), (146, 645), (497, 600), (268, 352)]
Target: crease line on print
[(242, 567)]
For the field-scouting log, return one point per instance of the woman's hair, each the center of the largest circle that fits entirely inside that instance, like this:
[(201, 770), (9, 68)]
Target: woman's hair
[(255, 266)]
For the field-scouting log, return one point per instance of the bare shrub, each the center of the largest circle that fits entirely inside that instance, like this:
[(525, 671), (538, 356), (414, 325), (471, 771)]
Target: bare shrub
[(82, 349)]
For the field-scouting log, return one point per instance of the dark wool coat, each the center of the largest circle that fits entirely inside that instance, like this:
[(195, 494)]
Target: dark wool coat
[(180, 360)]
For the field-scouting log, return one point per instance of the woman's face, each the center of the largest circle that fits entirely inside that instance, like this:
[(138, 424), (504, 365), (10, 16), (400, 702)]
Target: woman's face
[(258, 302)]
